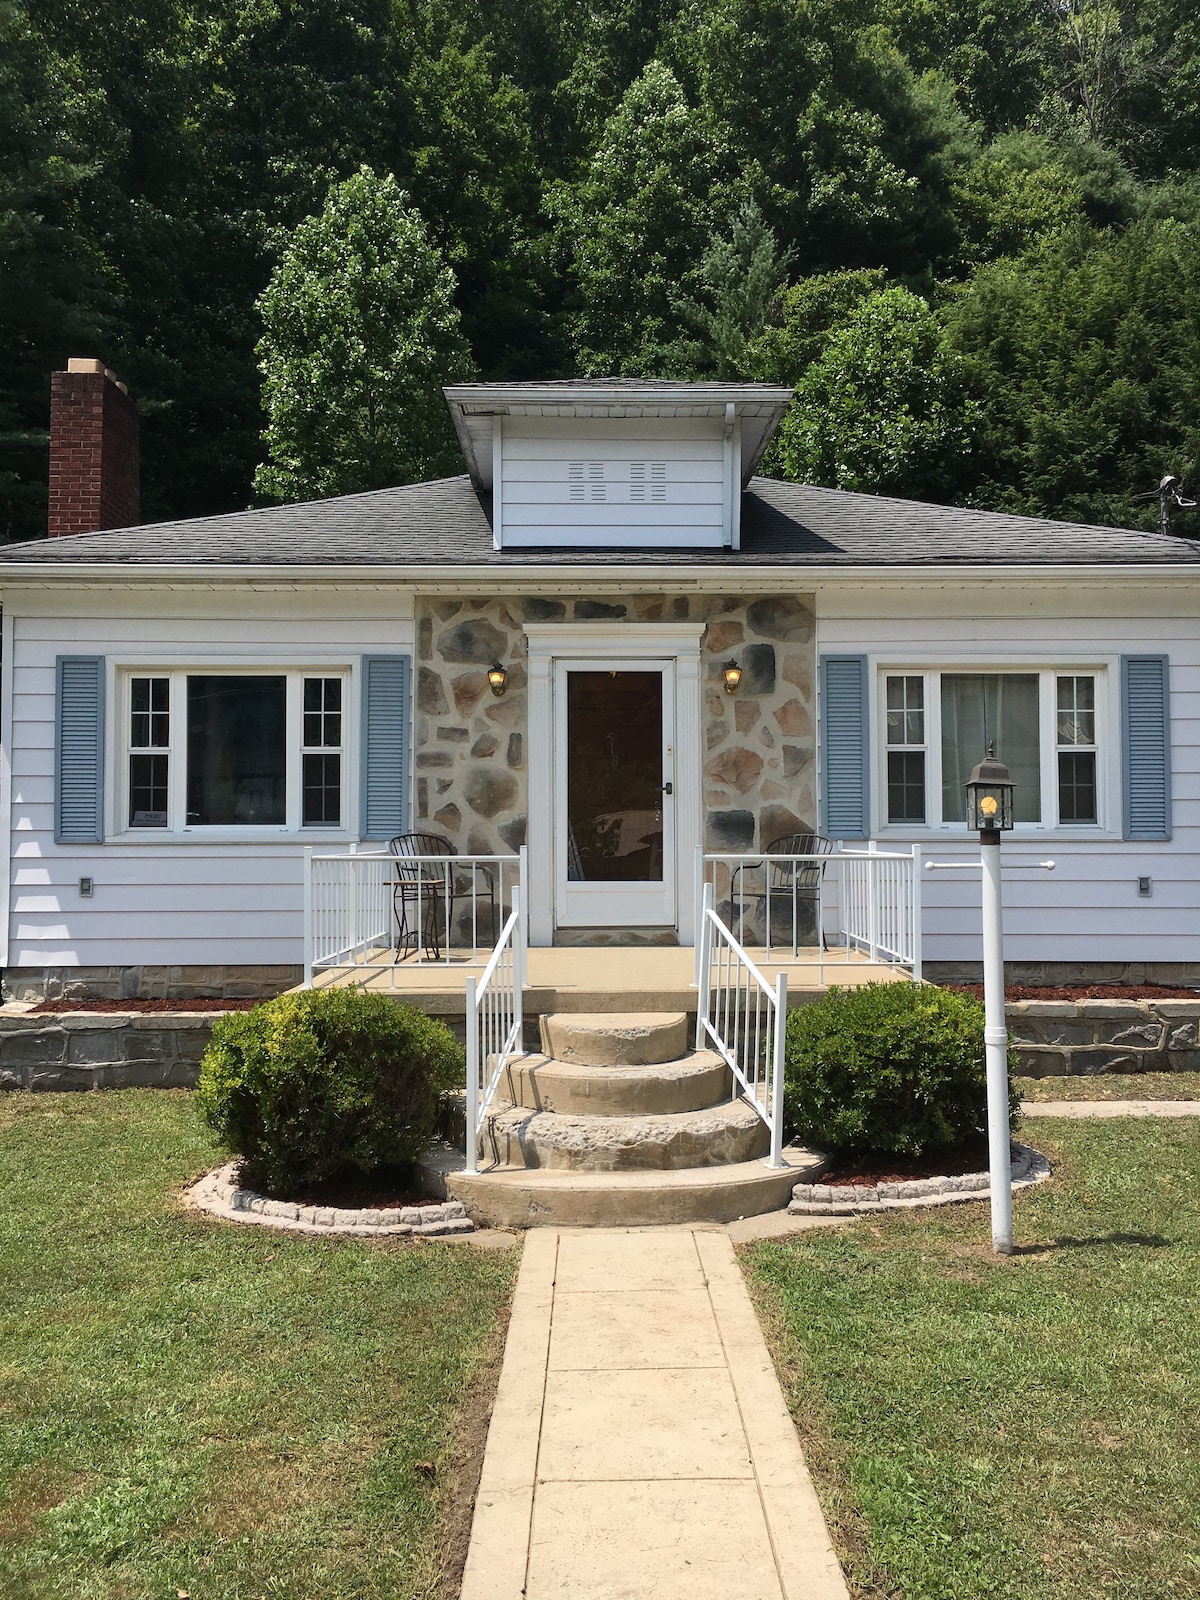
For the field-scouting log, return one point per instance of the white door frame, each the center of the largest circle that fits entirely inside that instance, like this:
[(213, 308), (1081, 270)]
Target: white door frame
[(604, 905), (673, 642)]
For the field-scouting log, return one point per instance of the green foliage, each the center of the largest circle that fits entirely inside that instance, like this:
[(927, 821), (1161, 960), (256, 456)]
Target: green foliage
[(886, 1069), (739, 280), (360, 333), (882, 408), (325, 1083)]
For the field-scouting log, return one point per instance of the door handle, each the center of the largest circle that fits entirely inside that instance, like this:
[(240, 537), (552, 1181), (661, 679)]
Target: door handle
[(668, 788)]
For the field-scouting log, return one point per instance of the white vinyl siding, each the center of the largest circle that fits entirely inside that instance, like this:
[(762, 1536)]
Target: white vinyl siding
[(660, 482), (208, 897), (1088, 909)]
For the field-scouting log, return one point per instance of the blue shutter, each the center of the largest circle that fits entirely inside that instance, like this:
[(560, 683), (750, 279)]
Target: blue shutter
[(383, 782), (1146, 746), (79, 750), (845, 748)]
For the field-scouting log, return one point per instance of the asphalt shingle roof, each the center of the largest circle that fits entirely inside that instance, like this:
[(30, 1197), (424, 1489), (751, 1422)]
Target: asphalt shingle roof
[(446, 523)]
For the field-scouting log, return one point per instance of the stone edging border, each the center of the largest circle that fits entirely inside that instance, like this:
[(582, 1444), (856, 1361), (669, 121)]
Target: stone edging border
[(1029, 1166), (218, 1192)]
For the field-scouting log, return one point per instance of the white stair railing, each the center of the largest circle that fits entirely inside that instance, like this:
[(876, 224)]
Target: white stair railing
[(495, 1023), (742, 1018), (881, 904)]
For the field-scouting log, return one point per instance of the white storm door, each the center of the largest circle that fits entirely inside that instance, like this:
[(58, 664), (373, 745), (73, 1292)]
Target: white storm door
[(614, 802)]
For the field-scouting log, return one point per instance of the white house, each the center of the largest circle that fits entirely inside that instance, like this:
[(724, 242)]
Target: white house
[(186, 706)]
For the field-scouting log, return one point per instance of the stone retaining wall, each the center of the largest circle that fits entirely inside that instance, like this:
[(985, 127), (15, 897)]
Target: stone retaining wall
[(103, 1050), (1057, 1038), (31, 984)]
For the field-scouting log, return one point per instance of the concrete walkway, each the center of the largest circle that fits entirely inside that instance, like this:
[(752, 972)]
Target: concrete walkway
[(1110, 1108), (640, 1448)]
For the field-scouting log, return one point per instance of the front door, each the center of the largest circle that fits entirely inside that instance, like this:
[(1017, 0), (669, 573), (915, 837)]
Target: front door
[(614, 817)]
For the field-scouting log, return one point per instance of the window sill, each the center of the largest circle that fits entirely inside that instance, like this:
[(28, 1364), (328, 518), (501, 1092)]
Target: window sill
[(958, 833), (249, 835)]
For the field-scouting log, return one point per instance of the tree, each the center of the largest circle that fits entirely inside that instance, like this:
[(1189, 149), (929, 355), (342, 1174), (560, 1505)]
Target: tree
[(634, 228), (738, 281), (361, 332), (882, 409)]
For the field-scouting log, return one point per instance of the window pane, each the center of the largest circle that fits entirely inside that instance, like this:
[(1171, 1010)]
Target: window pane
[(906, 785), (236, 750), (979, 708), (322, 791), (1076, 786), (1076, 710), (615, 776), (148, 791), (322, 713), (906, 710)]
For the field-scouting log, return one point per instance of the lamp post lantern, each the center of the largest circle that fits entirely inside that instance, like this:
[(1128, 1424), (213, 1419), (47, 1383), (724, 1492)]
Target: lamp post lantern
[(990, 813)]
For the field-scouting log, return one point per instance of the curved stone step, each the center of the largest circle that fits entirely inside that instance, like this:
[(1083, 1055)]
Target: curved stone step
[(615, 1039), (719, 1136), (697, 1080), (508, 1197)]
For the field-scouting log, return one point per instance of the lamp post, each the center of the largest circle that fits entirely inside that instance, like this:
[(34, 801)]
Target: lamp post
[(990, 812)]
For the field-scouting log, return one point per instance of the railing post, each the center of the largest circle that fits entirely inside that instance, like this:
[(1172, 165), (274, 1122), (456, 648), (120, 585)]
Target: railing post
[(519, 959), (704, 965), (522, 880), (916, 913), (777, 1069), (471, 1164), (697, 909), (872, 901), (308, 917)]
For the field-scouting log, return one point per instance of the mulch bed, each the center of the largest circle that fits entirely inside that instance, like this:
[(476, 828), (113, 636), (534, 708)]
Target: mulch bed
[(346, 1194), (58, 1008), (969, 1156), (1083, 991)]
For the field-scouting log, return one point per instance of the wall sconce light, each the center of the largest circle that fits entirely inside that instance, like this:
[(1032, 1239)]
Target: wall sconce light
[(498, 678), (732, 674)]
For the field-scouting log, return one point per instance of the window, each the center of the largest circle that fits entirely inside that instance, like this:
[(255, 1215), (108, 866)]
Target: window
[(938, 725), (149, 751), (250, 750)]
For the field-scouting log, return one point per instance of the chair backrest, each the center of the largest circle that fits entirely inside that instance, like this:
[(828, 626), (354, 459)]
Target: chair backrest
[(411, 847), (807, 874)]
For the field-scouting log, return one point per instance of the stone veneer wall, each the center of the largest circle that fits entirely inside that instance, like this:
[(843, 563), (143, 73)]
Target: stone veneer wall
[(149, 983), (1061, 1038), (759, 769)]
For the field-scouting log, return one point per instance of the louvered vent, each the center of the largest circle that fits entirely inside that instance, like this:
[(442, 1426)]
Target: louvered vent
[(648, 482), (585, 480)]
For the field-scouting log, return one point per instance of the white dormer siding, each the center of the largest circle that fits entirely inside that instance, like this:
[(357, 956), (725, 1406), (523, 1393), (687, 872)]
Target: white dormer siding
[(616, 463), (660, 482)]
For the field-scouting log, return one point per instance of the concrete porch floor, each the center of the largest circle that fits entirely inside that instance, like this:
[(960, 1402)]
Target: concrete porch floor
[(606, 978)]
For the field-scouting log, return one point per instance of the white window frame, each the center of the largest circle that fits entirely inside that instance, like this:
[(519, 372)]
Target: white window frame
[(1106, 672), (117, 825)]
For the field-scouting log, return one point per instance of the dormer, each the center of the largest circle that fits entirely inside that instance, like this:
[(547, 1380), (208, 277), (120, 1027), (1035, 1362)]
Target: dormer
[(617, 462)]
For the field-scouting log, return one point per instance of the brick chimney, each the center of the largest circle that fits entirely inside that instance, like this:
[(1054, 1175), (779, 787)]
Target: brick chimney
[(94, 451)]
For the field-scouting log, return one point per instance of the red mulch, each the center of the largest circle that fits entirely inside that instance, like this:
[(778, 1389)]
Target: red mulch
[(969, 1156), (350, 1194), (61, 1007), (1083, 991)]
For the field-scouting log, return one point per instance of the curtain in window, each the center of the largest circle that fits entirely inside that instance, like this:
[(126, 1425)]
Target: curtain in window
[(979, 708)]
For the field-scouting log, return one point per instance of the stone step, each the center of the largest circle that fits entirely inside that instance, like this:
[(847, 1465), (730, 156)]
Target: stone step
[(722, 1135), (695, 1081), (615, 1039), (513, 1197)]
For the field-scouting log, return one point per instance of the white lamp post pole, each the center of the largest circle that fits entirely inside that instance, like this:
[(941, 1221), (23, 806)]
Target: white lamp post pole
[(995, 1041)]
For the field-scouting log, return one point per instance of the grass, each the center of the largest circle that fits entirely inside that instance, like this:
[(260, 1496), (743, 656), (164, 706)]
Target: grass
[(228, 1413), (1020, 1428), (1113, 1086)]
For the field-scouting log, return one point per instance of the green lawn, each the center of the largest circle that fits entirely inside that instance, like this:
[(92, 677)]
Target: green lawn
[(1113, 1086), (227, 1412), (1022, 1428)]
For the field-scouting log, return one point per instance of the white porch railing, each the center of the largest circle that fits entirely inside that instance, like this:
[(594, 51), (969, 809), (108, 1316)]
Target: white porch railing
[(742, 1018), (781, 905), (495, 1023), (358, 904)]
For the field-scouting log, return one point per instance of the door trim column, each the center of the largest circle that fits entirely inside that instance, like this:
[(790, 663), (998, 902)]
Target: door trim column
[(559, 641)]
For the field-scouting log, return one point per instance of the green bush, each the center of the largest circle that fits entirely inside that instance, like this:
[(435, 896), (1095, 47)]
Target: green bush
[(326, 1083), (887, 1069)]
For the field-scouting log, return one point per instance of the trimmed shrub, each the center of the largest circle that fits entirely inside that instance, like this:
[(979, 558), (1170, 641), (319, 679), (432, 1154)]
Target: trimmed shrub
[(887, 1069), (326, 1083)]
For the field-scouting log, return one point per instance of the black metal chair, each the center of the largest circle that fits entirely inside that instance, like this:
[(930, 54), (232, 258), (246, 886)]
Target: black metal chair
[(423, 897), (784, 881)]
